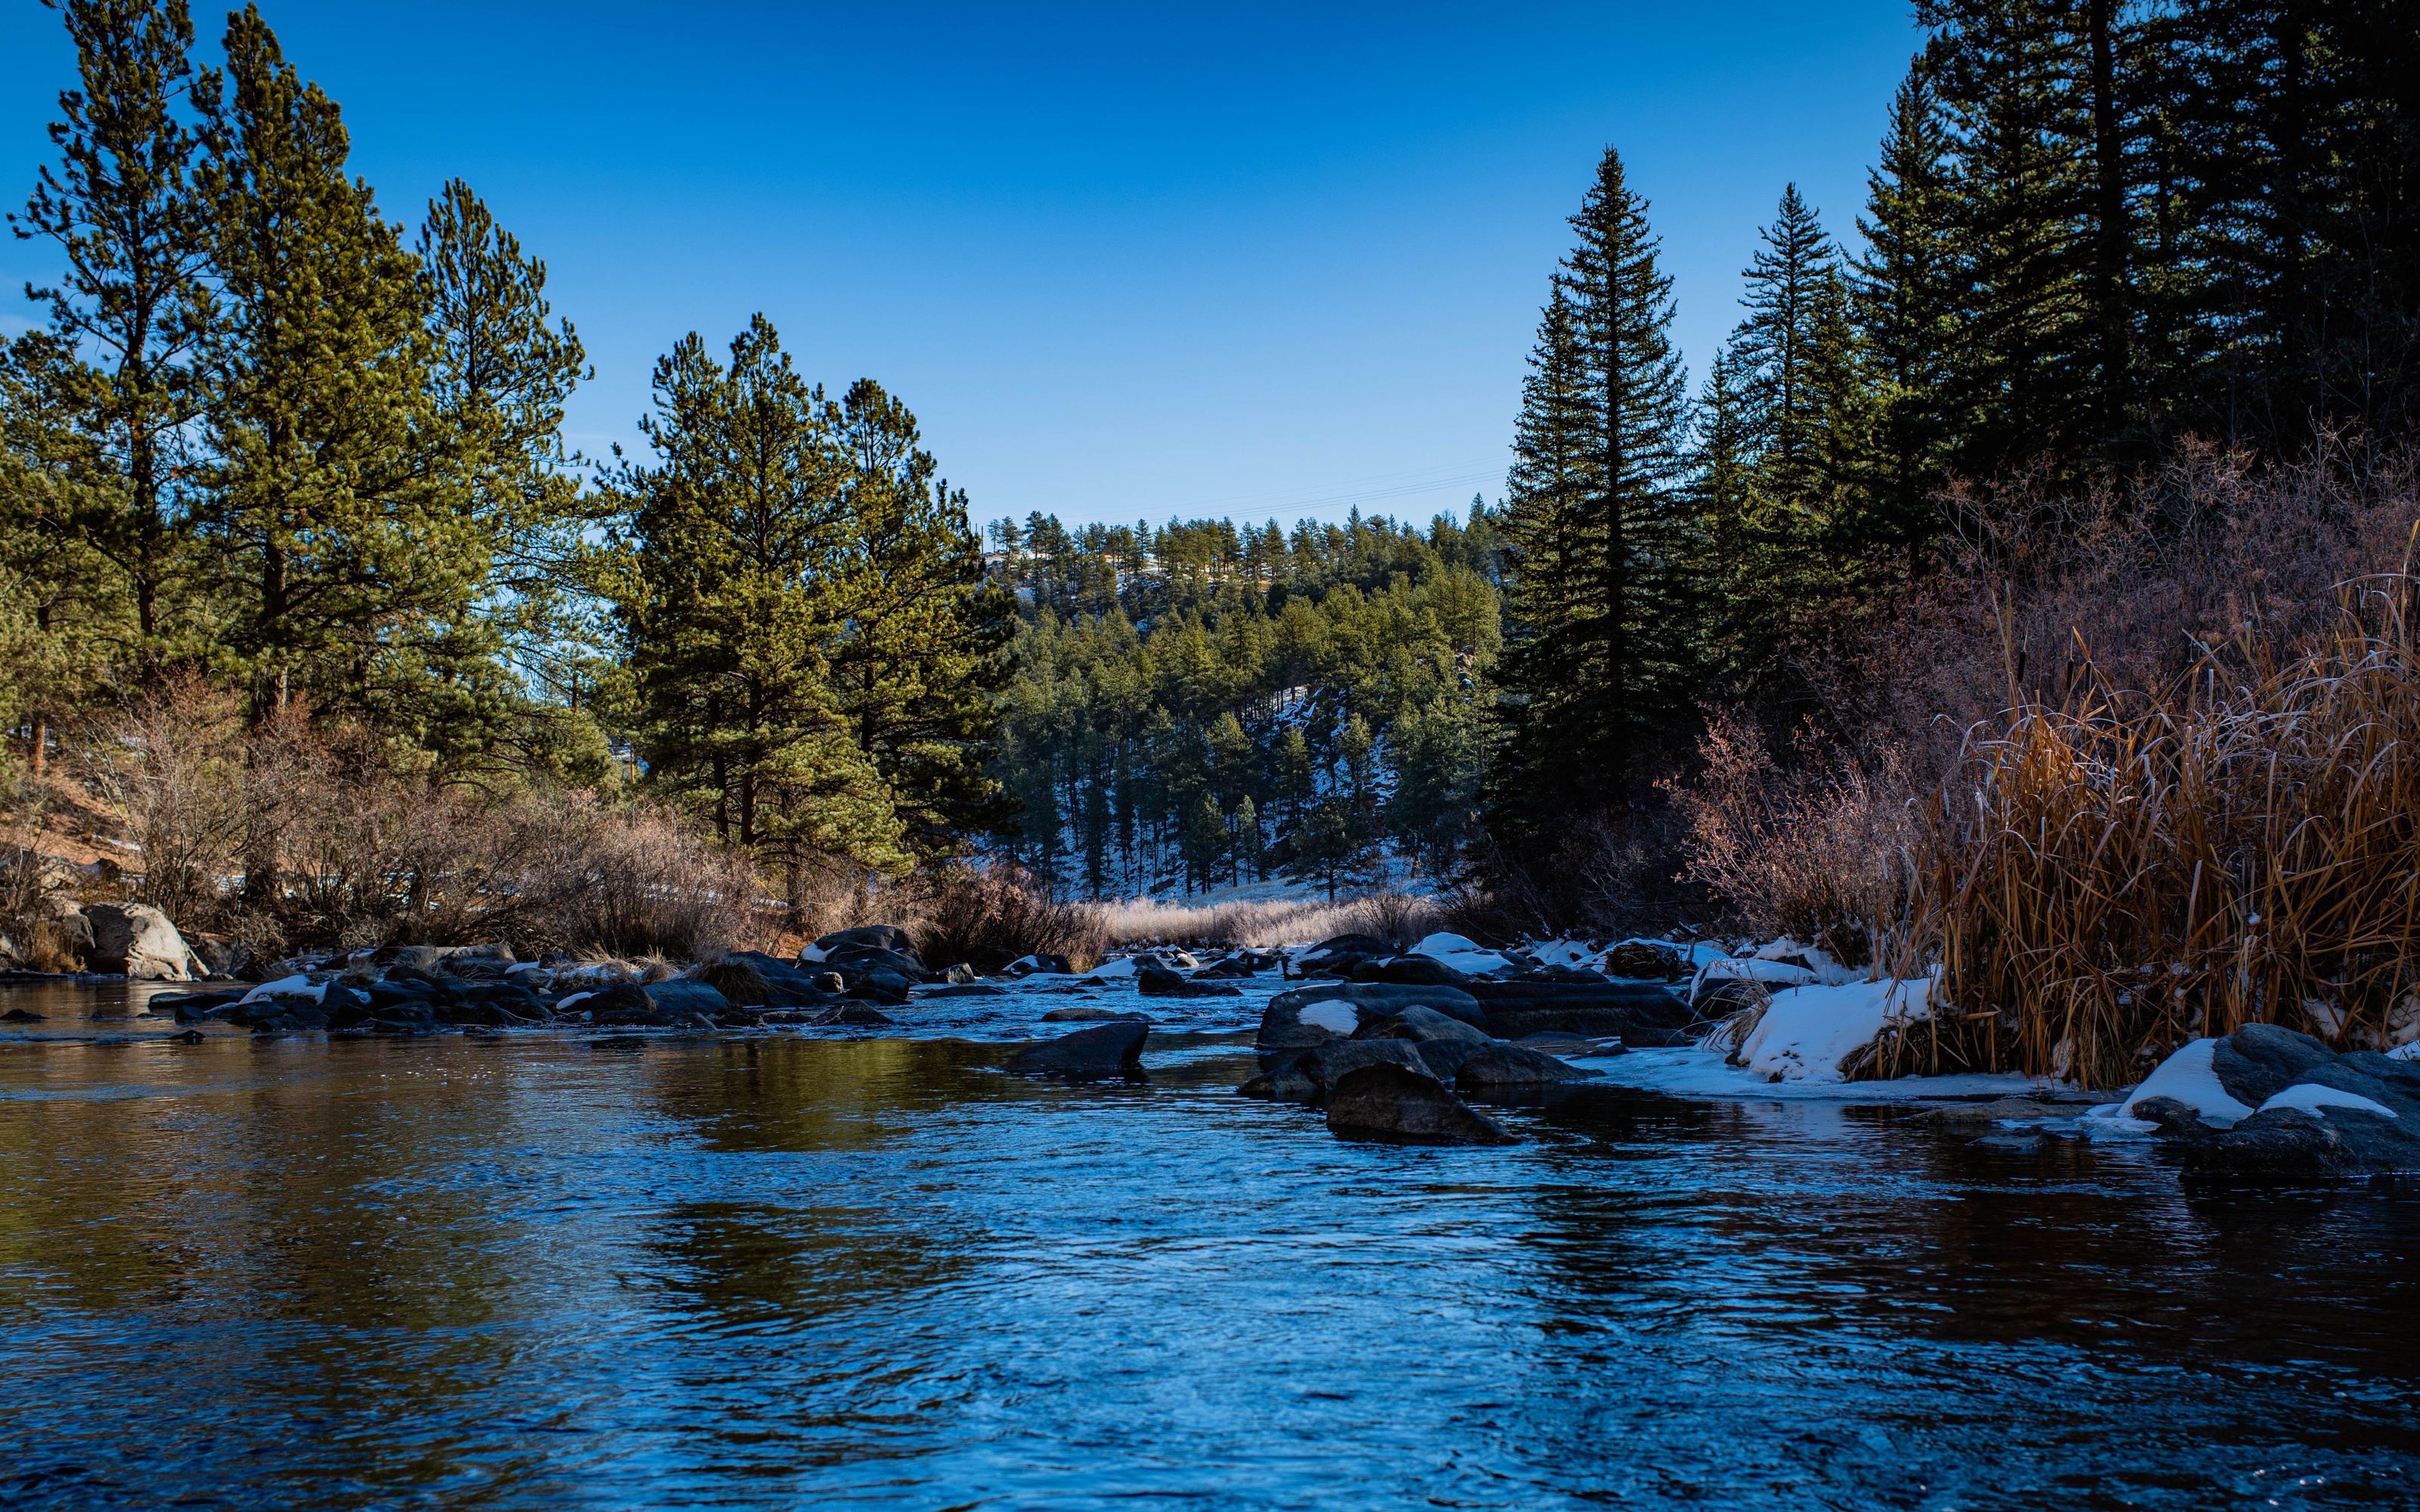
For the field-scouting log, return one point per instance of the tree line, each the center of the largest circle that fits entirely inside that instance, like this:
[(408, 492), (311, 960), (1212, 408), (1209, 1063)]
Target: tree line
[(269, 437), (2094, 230)]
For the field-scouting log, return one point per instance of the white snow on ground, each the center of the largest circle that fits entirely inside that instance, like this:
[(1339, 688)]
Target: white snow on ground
[(1806, 1031), (1462, 953), (2187, 1076), (1702, 1073), (294, 986), (1564, 952), (1747, 968), (2313, 1098), (1333, 1014)]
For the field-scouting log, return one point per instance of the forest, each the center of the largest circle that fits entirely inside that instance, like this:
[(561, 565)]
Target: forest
[(2104, 393)]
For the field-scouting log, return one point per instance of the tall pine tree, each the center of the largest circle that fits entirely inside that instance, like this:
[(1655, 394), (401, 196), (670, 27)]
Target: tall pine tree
[(1602, 544)]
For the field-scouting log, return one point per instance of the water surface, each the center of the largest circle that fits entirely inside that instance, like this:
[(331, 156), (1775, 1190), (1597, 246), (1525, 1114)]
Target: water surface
[(765, 1272)]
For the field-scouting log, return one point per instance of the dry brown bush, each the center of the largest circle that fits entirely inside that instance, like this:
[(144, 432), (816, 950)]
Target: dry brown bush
[(989, 916), (1270, 922), (1816, 852)]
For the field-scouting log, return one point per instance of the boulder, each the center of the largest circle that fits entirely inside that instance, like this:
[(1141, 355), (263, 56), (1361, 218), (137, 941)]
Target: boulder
[(1412, 971), (961, 975), (1302, 1017), (683, 995), (1420, 1022), (1155, 981), (1039, 964), (1397, 1104), (139, 941), (868, 936), (1646, 961), (1639, 1012), (1229, 969), (2315, 1113), (1513, 1065), (1111, 1051), (219, 955), (1089, 1013), (625, 1003)]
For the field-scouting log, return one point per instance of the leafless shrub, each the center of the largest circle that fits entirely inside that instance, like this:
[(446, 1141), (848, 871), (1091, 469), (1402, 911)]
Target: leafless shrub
[(174, 764), (1816, 852), (989, 916)]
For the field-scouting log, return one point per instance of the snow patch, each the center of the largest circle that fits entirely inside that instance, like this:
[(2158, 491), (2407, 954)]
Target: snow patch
[(1122, 967), (2405, 1052), (2312, 1097), (2187, 1077), (297, 985), (1806, 1032), (1462, 953), (1703, 1073), (575, 997), (1333, 1014), (814, 955)]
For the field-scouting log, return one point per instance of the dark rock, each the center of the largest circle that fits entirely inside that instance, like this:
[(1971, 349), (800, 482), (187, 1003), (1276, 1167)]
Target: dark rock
[(1342, 954), (1513, 1065), (1230, 969), (625, 1003), (1396, 1103), (1638, 1012), (685, 995), (855, 1013), (1111, 1051), (191, 1008), (619, 1042), (2260, 1061), (19, 1015), (832, 982), (1040, 964), (219, 955), (1565, 976), (1412, 971), (188, 1036), (1283, 1026), (1645, 961), (740, 982), (1088, 1014), (875, 936), (1155, 981), (1324, 1064), (1420, 1022)]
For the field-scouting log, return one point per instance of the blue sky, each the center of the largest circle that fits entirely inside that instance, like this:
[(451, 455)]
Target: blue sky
[(1122, 262)]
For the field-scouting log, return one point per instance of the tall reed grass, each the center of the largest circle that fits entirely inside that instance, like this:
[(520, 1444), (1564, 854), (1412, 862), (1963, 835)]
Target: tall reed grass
[(1400, 918), (2100, 881)]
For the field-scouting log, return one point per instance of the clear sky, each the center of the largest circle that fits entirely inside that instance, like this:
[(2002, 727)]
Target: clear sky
[(1123, 261)]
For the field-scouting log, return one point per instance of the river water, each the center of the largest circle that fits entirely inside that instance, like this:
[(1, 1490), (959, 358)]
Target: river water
[(784, 1272)]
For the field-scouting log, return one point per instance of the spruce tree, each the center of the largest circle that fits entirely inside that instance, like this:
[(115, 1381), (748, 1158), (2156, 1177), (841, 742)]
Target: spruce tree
[(1904, 296), (1601, 540)]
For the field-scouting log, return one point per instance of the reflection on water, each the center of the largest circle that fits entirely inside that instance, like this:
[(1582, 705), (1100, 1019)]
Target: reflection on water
[(781, 1272)]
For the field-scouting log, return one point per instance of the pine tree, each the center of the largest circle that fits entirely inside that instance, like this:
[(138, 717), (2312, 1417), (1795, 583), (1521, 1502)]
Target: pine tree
[(335, 500), (1600, 537), (133, 308), (1774, 353), (725, 596), (918, 669)]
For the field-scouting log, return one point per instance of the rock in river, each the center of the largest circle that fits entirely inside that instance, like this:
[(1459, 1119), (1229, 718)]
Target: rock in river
[(1395, 1102), (1112, 1050), (1511, 1065), (1306, 1016), (2312, 1111), (1156, 980)]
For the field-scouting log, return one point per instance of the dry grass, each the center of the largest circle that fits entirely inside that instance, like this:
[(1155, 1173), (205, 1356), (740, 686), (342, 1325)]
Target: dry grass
[(2110, 878), (1397, 918)]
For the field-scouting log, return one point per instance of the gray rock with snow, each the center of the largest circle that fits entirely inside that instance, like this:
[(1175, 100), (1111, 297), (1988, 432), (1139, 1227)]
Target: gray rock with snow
[(1302, 1017), (2314, 1112)]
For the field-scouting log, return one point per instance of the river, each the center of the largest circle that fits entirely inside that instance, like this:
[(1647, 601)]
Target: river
[(775, 1271)]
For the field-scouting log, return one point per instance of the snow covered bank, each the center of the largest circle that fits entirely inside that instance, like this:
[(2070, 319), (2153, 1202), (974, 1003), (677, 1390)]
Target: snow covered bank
[(1806, 1033)]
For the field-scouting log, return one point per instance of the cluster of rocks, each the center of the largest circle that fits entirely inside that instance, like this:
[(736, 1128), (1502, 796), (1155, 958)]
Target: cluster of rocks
[(2306, 1110), (1396, 1059), (843, 978)]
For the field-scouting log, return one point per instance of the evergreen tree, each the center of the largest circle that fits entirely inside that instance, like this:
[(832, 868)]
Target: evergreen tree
[(1600, 537), (1905, 301), (334, 498), (727, 601), (132, 308), (924, 655)]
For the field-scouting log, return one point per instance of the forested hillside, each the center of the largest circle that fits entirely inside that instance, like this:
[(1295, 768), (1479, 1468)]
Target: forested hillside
[(1201, 704)]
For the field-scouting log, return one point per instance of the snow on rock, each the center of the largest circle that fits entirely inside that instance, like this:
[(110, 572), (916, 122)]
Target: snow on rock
[(2189, 1077), (564, 1004), (1565, 952), (1122, 967), (2405, 1052), (2312, 1097), (1806, 1032), (1333, 1014), (1462, 953), (297, 985), (813, 955)]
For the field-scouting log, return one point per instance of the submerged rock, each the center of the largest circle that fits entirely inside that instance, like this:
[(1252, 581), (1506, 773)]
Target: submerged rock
[(1155, 981), (1513, 1065), (1111, 1051), (1396, 1103)]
